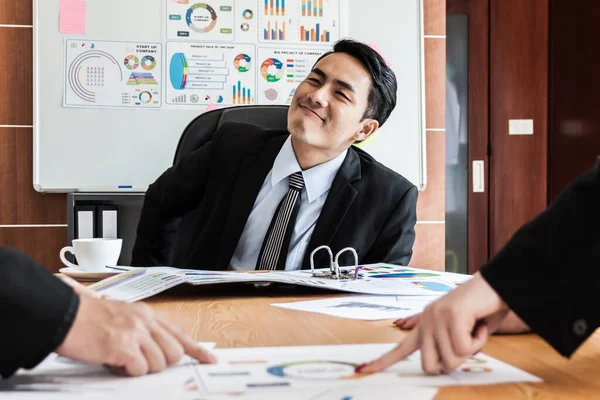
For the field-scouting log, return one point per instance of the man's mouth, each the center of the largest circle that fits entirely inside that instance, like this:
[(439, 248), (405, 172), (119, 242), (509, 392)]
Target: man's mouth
[(312, 112)]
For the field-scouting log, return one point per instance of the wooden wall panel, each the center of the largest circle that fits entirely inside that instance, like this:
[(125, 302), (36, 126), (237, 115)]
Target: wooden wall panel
[(42, 243), (435, 83), (16, 12), (16, 76), (434, 17), (429, 250), (21, 204), (430, 246), (518, 90), (431, 203)]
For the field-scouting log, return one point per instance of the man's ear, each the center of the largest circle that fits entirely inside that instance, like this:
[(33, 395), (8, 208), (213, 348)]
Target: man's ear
[(369, 127)]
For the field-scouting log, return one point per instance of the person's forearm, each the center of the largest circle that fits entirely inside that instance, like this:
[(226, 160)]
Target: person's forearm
[(548, 272), (37, 308)]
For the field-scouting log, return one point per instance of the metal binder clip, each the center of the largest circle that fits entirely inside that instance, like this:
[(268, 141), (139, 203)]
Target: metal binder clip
[(334, 268)]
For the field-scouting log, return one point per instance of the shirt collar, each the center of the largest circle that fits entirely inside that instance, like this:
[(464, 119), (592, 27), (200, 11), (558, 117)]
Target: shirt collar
[(317, 179)]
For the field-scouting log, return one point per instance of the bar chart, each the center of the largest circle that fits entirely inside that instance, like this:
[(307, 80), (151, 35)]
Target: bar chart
[(274, 31), (241, 94), (314, 34), (312, 8), (275, 7)]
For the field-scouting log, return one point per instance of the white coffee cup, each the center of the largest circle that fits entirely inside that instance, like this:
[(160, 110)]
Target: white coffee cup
[(93, 255)]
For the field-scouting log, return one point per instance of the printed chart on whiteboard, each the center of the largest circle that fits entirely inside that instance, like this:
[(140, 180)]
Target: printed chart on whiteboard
[(281, 71), (210, 73), (112, 74), (216, 52), (210, 21), (314, 22)]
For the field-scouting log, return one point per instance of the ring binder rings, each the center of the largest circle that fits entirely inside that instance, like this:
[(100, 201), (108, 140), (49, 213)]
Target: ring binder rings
[(334, 268)]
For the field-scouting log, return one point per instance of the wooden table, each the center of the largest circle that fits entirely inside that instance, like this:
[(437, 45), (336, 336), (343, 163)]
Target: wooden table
[(241, 316)]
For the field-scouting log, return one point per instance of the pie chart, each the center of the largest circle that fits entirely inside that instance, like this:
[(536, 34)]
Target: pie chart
[(148, 63), (271, 94), (314, 370), (241, 62), (178, 71), (201, 18), (271, 69)]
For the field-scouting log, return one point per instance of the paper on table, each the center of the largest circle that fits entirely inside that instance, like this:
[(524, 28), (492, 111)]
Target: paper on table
[(65, 378), (390, 287), (258, 373), (137, 284), (370, 308), (72, 16), (308, 367)]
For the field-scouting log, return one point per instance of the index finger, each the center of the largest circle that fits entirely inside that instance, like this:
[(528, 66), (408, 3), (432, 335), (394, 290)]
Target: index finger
[(190, 347), (400, 352)]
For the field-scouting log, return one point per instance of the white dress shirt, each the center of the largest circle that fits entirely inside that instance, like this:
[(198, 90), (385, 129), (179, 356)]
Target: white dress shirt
[(317, 182)]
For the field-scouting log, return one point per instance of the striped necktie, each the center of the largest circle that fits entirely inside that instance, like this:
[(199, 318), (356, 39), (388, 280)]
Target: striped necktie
[(273, 253)]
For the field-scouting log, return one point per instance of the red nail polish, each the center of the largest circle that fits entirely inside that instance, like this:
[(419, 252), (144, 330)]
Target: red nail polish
[(360, 367)]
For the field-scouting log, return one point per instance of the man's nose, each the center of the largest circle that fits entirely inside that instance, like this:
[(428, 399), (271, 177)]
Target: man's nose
[(319, 97)]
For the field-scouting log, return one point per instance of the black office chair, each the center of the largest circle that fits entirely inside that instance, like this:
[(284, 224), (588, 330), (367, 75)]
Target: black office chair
[(203, 127), (199, 132)]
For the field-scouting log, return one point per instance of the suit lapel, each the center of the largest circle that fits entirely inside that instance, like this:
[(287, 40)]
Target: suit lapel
[(253, 170), (340, 198)]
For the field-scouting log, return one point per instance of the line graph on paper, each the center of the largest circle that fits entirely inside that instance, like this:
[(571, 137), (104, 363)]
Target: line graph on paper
[(371, 306)]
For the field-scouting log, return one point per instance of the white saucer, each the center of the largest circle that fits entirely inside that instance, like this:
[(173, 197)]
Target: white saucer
[(89, 276)]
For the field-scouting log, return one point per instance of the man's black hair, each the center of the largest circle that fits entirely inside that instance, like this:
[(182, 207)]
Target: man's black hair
[(382, 96)]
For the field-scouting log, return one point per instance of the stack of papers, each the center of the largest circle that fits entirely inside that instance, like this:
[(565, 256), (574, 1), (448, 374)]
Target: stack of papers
[(374, 279)]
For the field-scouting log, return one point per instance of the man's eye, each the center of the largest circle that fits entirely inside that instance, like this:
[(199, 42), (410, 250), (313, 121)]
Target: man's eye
[(341, 94)]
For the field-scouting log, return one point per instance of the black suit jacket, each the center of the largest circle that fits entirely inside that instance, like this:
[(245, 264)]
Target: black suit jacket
[(37, 311), (549, 272), (369, 207)]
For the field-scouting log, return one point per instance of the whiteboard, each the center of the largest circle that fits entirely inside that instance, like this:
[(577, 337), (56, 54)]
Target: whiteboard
[(125, 144)]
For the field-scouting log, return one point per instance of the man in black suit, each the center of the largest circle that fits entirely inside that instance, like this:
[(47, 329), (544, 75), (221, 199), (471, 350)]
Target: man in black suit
[(41, 314), (263, 199), (547, 274)]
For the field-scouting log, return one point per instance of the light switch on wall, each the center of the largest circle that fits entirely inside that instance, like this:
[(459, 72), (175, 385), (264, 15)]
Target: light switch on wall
[(520, 127)]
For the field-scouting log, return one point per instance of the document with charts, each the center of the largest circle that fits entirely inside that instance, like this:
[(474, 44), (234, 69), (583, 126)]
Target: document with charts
[(368, 308), (302, 372), (376, 279)]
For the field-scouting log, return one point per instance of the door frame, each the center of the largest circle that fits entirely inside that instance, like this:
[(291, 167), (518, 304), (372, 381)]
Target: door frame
[(478, 144)]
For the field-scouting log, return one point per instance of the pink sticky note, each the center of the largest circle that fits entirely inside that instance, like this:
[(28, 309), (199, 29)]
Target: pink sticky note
[(72, 16), (376, 48), (211, 107)]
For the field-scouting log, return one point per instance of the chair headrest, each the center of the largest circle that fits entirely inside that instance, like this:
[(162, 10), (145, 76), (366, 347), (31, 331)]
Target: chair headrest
[(203, 127)]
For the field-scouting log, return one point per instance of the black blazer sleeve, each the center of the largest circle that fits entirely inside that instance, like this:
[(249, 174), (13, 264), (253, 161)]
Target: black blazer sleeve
[(549, 272), (37, 309), (177, 191), (395, 240)]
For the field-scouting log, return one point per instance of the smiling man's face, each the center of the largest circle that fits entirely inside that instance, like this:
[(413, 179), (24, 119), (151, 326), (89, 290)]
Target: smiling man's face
[(328, 106)]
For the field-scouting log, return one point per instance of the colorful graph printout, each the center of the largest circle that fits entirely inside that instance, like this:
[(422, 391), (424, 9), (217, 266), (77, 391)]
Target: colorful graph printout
[(112, 74), (203, 73), (308, 367), (281, 71), (308, 22), (211, 20)]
